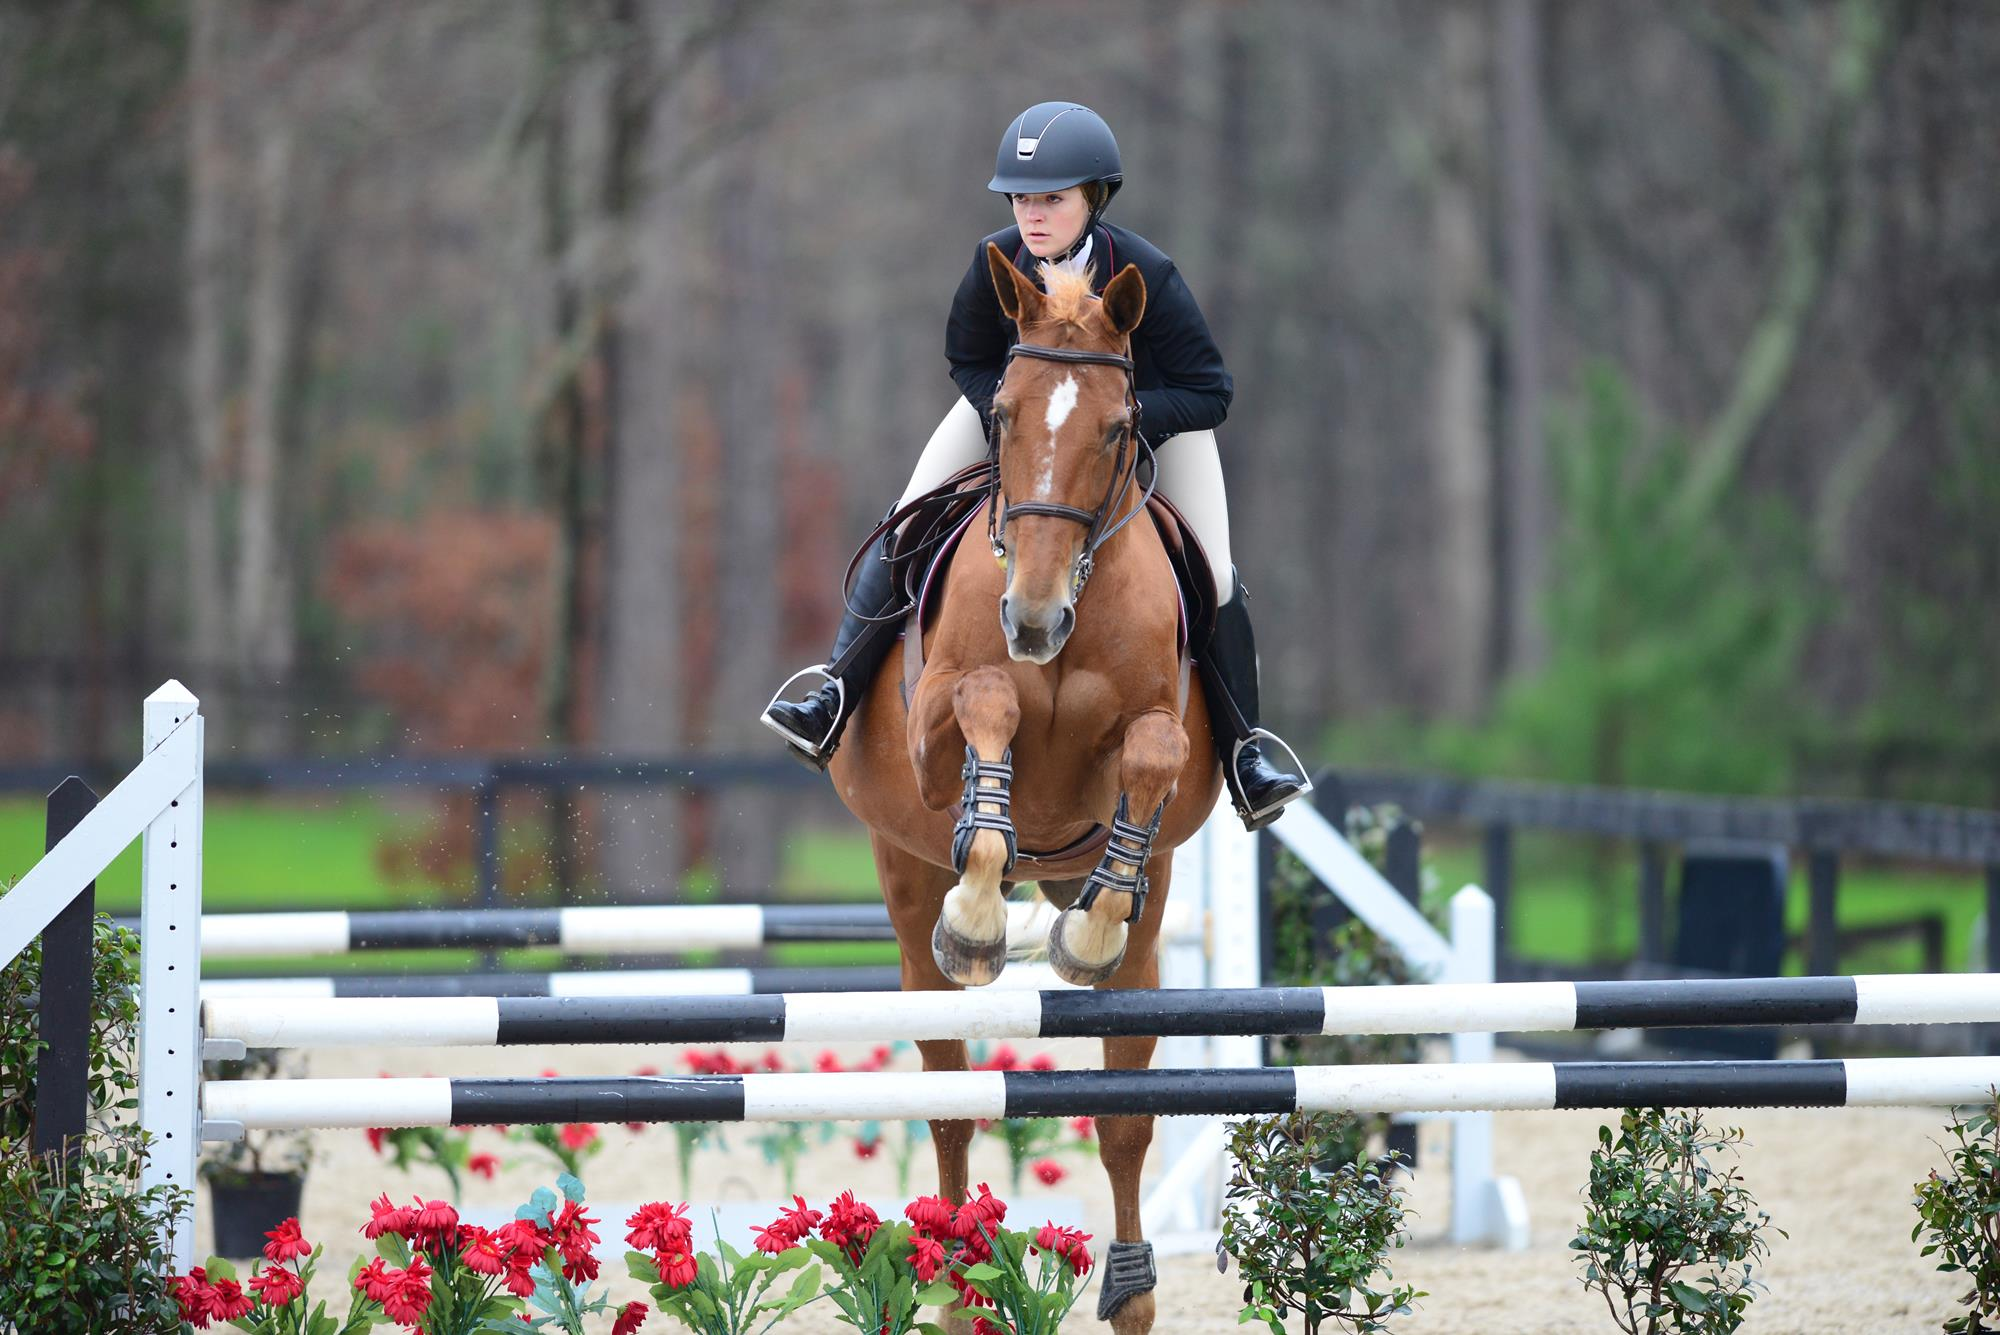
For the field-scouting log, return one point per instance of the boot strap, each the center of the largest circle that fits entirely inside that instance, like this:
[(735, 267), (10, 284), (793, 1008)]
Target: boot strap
[(1129, 843), (971, 819)]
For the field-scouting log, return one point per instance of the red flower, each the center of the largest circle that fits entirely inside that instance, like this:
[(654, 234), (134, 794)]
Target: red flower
[(878, 1057), (549, 1073), (227, 1300), (576, 1135), (1042, 1062), (799, 1217), (867, 1149), (629, 1319), (376, 1134), (434, 1221), (1004, 1058), (772, 1062), (387, 1218), (196, 1298), (286, 1242), (931, 1212), (276, 1285), (376, 1279), (826, 1063), (1085, 1127), (519, 1282), (979, 1215), (849, 1225), (647, 1071), (676, 1266), (484, 1164), (571, 1227), (635, 1127), (1049, 1171), (658, 1227), (410, 1293), (522, 1238), (926, 1257), (480, 1251), (1066, 1243), (981, 1326)]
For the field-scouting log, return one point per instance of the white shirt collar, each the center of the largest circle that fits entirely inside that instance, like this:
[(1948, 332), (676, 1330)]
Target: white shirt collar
[(1076, 262)]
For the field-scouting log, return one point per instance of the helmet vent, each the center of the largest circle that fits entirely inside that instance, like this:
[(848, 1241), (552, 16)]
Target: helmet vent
[(1025, 148)]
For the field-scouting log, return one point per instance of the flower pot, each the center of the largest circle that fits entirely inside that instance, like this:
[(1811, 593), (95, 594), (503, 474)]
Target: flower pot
[(247, 1208)]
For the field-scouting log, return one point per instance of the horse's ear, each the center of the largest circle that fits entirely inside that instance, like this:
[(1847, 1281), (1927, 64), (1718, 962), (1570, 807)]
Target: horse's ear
[(1125, 299), (1020, 299)]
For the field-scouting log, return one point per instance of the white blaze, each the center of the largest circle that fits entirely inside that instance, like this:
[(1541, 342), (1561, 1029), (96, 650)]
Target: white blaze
[(1061, 404)]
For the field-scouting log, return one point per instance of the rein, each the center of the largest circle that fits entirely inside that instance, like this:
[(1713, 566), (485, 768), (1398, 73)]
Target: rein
[(999, 511)]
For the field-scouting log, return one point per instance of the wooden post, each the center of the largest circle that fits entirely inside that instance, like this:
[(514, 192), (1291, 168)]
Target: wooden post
[(1823, 925), (1652, 902), (1406, 860), (62, 1072)]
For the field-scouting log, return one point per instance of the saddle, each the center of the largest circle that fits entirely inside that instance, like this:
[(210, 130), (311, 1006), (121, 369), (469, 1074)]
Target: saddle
[(920, 553)]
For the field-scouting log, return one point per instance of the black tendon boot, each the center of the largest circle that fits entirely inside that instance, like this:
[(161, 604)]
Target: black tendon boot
[(811, 727), (1229, 672)]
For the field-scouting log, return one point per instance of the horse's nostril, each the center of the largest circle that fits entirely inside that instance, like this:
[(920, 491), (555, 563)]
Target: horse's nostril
[(1066, 623)]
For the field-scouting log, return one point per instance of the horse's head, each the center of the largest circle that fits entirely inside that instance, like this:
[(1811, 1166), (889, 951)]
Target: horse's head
[(1064, 421)]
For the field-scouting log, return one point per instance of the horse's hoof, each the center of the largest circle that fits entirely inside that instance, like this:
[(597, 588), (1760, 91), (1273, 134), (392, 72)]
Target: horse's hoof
[(967, 962), (1067, 966)]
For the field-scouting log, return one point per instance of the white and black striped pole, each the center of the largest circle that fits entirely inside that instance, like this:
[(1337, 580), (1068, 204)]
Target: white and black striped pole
[(1528, 1086), (1444, 1008)]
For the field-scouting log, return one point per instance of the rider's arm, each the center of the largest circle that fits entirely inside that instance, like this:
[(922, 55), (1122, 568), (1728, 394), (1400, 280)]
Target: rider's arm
[(975, 337), (1195, 387)]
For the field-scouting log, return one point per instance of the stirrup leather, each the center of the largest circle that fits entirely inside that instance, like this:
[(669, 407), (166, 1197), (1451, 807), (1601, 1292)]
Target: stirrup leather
[(1131, 844), (972, 820), (820, 749), (1264, 815)]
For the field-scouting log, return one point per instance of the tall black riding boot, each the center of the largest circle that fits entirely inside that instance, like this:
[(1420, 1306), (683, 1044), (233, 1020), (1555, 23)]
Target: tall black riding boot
[(811, 727), (1258, 788)]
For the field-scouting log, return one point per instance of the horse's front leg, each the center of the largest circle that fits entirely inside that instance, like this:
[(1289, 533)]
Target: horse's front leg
[(1126, 1273), (1087, 940), (970, 940)]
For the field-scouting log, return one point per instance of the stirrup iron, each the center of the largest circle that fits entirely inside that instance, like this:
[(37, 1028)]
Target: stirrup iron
[(972, 820), (815, 752), (1264, 815), (1131, 844)]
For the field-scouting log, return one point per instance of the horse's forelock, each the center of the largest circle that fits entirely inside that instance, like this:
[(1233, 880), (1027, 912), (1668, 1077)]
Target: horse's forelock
[(1069, 298)]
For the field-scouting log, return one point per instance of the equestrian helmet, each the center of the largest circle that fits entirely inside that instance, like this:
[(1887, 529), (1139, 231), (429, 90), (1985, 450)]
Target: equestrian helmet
[(1053, 146)]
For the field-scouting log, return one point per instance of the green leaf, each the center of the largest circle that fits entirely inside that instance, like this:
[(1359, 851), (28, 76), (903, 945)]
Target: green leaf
[(939, 1293), (570, 1186)]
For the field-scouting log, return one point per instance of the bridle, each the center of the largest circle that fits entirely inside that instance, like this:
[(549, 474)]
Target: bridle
[(999, 511)]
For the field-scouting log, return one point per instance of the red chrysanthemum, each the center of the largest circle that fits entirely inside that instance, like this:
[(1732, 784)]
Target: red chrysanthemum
[(658, 1227), (926, 1257), (867, 1149), (434, 1221), (286, 1243), (982, 1326), (1042, 1062), (480, 1251), (849, 1225), (629, 1319), (827, 1063), (196, 1298), (276, 1285), (1066, 1243), (1049, 1171), (229, 1301), (647, 1070), (485, 1164), (931, 1212), (375, 1279), (576, 1135), (387, 1218), (1085, 1127), (376, 1135), (677, 1267)]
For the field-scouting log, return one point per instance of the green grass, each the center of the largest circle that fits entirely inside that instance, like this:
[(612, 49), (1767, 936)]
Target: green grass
[(1571, 903)]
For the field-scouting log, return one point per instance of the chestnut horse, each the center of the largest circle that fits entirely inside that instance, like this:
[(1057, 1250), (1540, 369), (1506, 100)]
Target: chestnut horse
[(1052, 687)]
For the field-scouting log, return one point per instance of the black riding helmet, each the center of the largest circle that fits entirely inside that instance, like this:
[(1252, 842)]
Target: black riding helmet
[(1054, 146)]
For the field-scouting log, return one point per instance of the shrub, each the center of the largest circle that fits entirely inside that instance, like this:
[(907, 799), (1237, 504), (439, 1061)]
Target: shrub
[(1670, 1239), (1309, 1242), (1961, 1215)]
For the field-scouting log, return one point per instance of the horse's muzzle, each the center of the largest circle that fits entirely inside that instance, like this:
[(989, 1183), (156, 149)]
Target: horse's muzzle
[(1036, 635)]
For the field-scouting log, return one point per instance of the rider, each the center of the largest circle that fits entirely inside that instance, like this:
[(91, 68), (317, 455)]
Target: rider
[(1058, 165)]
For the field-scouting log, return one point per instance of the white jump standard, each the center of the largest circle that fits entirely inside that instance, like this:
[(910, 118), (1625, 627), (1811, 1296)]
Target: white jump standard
[(267, 1022), (1892, 1082)]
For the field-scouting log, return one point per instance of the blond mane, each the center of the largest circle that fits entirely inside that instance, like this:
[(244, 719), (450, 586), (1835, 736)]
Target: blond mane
[(1069, 294)]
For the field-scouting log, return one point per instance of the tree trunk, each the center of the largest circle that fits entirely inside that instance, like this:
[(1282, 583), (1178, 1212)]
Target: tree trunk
[(201, 481), (1461, 456), (1524, 226), (264, 612)]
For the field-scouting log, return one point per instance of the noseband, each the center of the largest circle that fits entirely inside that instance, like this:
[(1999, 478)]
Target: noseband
[(999, 511)]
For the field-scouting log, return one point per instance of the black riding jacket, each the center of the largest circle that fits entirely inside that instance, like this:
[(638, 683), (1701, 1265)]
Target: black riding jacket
[(1178, 370)]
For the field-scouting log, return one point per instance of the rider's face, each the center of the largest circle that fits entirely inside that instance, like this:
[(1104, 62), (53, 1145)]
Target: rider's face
[(1051, 222)]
